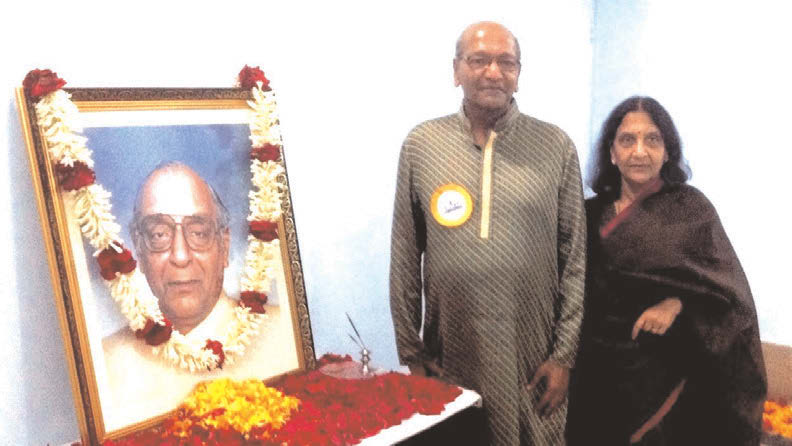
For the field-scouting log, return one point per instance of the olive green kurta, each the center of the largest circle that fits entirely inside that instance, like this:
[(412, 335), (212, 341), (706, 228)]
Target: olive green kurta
[(496, 308)]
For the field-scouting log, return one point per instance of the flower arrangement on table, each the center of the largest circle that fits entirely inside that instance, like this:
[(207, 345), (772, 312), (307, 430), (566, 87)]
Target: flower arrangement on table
[(305, 409)]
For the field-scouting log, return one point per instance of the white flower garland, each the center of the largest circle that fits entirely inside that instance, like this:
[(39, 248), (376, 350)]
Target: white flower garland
[(58, 117)]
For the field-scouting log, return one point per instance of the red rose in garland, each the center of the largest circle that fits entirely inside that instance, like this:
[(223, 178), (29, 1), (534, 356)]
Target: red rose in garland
[(253, 300), (267, 152), (265, 231), (37, 83), (74, 177), (112, 262), (216, 347), (145, 330), (155, 334), (250, 75), (159, 334)]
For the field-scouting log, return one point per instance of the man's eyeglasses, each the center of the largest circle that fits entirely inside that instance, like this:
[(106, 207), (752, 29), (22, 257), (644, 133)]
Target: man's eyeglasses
[(506, 64), (159, 230)]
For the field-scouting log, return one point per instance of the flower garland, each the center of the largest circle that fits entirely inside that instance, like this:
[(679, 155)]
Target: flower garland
[(58, 118)]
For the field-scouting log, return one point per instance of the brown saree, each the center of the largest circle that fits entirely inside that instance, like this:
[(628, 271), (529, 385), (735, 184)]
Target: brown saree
[(668, 243)]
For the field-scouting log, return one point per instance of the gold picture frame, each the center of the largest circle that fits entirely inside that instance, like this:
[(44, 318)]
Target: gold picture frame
[(131, 131)]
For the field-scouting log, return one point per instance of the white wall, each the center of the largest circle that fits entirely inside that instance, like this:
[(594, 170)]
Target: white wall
[(723, 71), (352, 79)]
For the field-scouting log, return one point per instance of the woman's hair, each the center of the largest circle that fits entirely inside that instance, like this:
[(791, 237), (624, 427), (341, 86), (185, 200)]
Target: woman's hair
[(605, 178)]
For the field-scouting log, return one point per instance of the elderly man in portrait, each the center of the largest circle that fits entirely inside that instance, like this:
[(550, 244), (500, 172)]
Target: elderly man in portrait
[(180, 232), (489, 233)]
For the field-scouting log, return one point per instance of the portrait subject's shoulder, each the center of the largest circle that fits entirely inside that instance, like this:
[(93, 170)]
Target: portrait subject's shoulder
[(121, 346), (122, 335)]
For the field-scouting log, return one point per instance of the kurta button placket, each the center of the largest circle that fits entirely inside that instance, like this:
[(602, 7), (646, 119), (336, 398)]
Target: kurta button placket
[(486, 186)]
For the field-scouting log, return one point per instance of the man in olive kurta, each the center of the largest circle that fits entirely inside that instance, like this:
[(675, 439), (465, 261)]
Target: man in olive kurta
[(489, 228)]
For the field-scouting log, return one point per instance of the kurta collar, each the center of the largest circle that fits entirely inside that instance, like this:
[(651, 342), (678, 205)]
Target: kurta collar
[(502, 125)]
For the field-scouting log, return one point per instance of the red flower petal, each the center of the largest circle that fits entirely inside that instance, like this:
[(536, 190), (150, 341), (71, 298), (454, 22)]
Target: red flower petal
[(74, 177), (159, 334), (253, 300), (248, 77), (145, 330), (112, 262), (267, 152), (37, 82), (216, 347), (266, 231)]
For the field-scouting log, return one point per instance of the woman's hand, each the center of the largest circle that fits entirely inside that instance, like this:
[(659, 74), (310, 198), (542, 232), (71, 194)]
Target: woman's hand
[(658, 318)]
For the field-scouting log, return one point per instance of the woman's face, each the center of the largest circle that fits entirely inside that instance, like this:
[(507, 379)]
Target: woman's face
[(638, 149)]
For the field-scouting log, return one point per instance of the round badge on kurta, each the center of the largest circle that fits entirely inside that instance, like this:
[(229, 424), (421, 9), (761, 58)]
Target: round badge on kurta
[(451, 205)]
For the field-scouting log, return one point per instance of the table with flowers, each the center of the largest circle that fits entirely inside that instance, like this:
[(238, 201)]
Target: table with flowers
[(309, 408)]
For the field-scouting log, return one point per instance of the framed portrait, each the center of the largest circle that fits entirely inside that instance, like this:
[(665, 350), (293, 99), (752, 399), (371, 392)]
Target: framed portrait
[(168, 223)]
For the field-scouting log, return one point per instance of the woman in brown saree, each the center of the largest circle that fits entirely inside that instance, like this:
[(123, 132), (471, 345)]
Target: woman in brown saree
[(670, 351)]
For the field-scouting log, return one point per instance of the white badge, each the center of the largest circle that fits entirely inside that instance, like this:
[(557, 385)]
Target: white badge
[(451, 205)]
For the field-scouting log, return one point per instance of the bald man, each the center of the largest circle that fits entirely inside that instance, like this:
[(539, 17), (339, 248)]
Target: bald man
[(489, 228), (180, 232)]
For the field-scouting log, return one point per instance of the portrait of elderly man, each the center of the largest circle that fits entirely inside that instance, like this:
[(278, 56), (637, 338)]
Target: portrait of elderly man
[(489, 234), (181, 236)]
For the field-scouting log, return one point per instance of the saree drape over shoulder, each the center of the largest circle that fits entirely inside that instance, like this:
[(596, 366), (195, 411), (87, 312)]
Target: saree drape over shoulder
[(670, 244)]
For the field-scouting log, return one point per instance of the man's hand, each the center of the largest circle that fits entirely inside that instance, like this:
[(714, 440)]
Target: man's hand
[(556, 379), (658, 318)]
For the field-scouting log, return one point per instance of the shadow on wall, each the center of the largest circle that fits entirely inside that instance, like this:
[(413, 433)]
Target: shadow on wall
[(43, 377)]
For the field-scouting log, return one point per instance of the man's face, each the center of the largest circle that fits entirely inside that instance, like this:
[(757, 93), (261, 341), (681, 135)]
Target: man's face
[(182, 253), (488, 67)]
